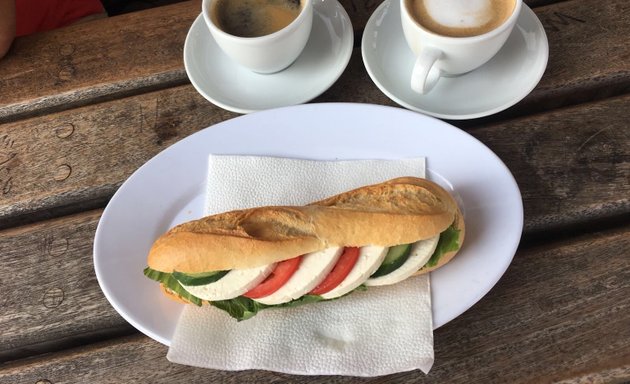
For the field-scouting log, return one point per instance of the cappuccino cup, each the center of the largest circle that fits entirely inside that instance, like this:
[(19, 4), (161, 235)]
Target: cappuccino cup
[(452, 37), (265, 36)]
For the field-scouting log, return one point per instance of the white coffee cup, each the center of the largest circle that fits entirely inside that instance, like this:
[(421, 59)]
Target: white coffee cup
[(440, 55), (268, 53)]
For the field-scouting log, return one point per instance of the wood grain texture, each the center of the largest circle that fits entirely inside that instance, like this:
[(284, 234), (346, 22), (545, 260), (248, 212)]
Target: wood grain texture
[(142, 51), (78, 158), (50, 295), (569, 172), (84, 62), (568, 311), (572, 165), (82, 107), (589, 55), (559, 314)]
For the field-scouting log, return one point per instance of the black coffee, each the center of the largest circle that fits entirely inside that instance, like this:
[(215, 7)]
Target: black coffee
[(254, 18)]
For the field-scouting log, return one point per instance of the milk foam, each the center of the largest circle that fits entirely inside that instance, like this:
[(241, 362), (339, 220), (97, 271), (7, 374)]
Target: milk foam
[(460, 13)]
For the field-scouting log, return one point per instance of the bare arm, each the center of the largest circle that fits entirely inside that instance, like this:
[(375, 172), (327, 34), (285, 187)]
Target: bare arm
[(7, 25)]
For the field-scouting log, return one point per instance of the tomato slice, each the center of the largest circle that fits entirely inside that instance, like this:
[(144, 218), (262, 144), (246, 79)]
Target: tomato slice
[(280, 275), (340, 271)]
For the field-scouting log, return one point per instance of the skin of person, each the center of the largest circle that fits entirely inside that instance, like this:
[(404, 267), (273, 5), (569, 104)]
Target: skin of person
[(44, 20), (7, 25)]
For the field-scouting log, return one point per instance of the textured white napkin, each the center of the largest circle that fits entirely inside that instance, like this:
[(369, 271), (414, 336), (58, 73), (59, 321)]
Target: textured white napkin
[(377, 332)]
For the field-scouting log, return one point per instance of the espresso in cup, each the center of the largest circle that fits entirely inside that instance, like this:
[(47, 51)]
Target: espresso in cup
[(460, 18), (254, 18)]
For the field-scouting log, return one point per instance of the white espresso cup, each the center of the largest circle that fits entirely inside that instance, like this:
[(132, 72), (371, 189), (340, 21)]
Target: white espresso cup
[(442, 53), (267, 53)]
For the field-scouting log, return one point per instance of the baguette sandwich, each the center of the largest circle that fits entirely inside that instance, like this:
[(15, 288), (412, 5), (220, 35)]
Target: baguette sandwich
[(247, 260)]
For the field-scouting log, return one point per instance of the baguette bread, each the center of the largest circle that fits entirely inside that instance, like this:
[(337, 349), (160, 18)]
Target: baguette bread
[(398, 211)]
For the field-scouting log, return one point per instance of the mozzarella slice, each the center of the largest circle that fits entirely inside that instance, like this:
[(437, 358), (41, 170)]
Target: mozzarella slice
[(370, 258), (314, 268), (421, 252), (233, 284)]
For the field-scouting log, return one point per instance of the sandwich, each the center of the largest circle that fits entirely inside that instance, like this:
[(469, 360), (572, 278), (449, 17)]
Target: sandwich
[(247, 260)]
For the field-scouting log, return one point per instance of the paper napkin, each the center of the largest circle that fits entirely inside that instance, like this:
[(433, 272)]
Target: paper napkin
[(371, 333)]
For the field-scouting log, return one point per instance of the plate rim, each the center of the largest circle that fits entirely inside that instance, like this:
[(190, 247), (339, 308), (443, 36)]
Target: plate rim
[(226, 124)]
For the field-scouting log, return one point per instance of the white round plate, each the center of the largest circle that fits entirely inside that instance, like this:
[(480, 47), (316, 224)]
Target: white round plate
[(235, 88), (170, 188), (497, 85)]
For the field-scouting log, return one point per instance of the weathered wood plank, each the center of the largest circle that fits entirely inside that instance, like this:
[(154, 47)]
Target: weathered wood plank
[(568, 307), (572, 165), (50, 296), (103, 58), (560, 313), (76, 159), (579, 31), (140, 51)]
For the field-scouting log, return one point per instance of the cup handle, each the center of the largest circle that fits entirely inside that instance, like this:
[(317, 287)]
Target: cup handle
[(425, 75)]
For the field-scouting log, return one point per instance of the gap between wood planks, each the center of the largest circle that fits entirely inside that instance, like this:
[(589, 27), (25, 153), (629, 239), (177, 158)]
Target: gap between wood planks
[(598, 89), (168, 81), (72, 352), (26, 352), (607, 216)]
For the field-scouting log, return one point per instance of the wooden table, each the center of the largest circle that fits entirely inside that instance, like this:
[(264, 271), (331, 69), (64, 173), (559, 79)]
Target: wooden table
[(82, 107)]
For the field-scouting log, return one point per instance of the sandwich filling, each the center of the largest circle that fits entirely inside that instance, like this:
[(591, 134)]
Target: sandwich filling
[(324, 275)]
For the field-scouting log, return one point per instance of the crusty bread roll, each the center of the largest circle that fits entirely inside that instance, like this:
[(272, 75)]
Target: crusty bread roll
[(399, 211)]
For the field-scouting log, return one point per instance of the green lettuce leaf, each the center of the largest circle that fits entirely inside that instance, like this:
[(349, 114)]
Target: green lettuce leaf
[(306, 299), (449, 241), (195, 279), (171, 283), (243, 308)]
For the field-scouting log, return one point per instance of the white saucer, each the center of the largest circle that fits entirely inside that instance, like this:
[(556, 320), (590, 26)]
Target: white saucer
[(500, 83), (233, 87)]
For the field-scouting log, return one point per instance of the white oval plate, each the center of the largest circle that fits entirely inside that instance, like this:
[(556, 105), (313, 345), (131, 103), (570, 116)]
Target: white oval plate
[(497, 85), (235, 88), (169, 189)]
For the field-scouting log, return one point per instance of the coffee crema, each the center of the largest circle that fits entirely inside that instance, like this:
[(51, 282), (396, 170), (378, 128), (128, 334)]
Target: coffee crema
[(460, 18), (253, 18)]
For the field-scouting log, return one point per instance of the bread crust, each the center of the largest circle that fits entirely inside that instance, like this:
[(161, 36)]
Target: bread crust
[(172, 295), (398, 211)]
